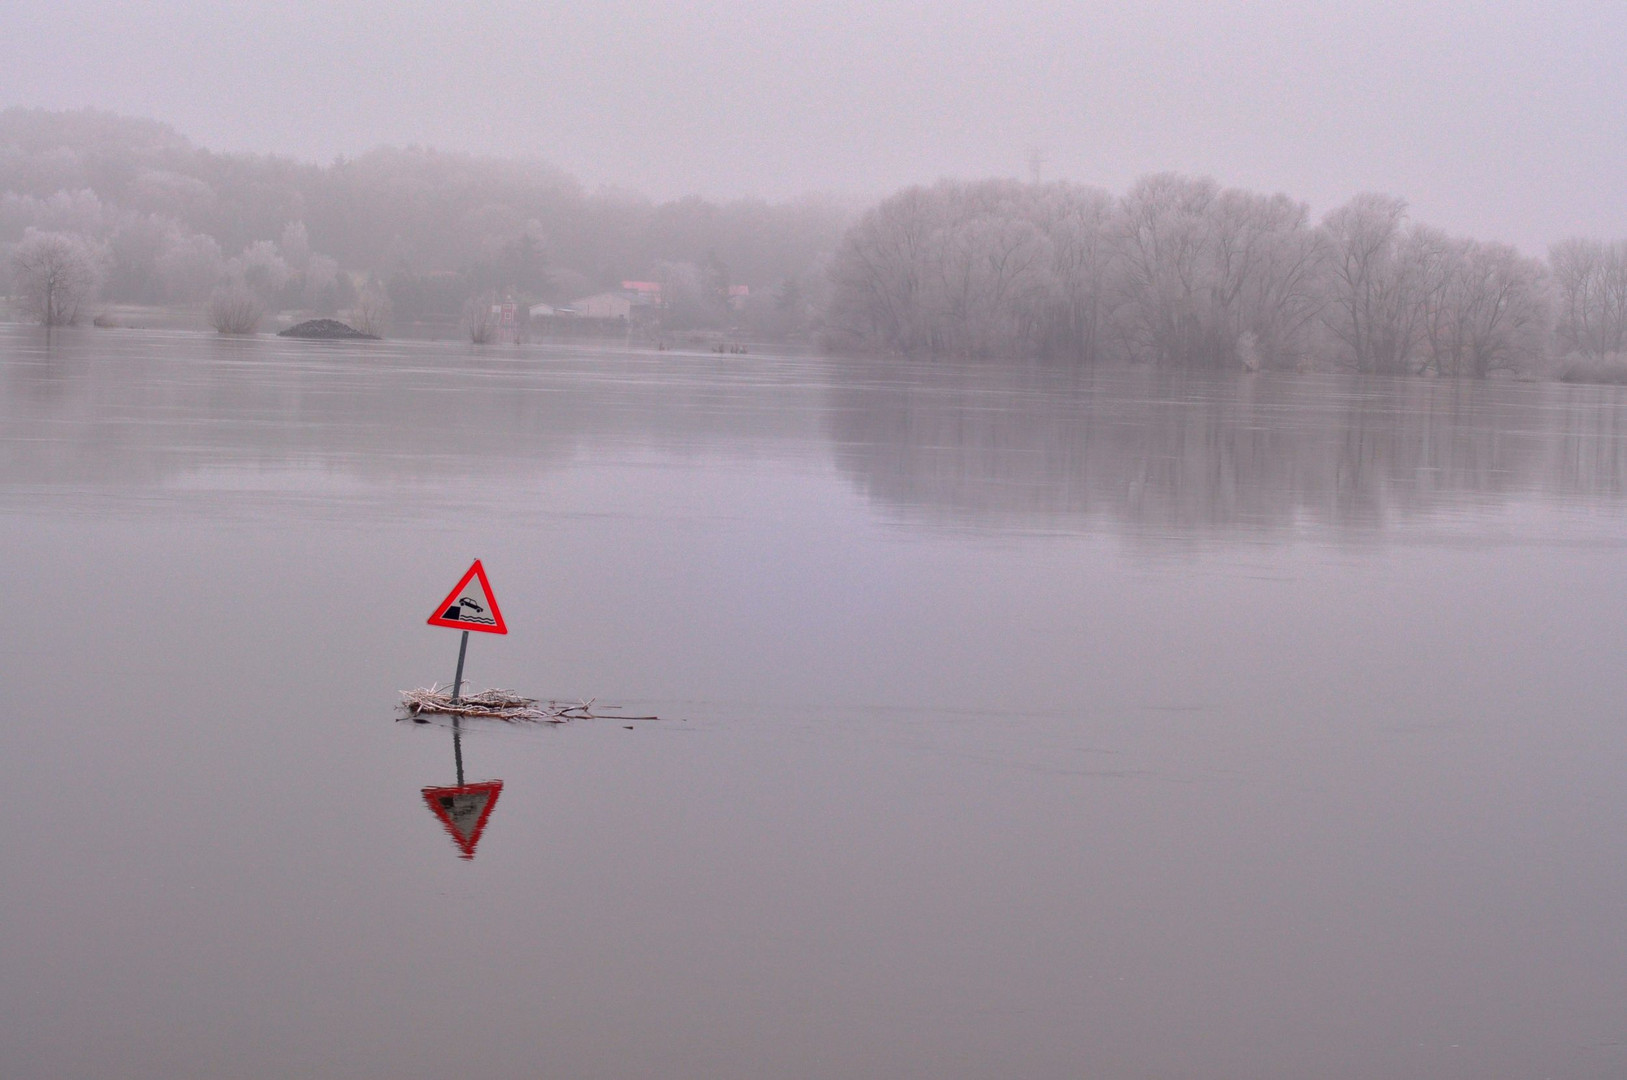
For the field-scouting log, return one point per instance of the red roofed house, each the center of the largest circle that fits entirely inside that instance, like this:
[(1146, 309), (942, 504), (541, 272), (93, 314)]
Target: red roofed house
[(643, 293)]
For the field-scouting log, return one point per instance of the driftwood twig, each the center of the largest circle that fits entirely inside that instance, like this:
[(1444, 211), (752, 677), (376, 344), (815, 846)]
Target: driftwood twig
[(504, 705)]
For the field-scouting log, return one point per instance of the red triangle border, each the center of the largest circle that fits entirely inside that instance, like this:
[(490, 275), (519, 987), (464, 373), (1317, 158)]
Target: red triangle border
[(476, 570), (432, 796)]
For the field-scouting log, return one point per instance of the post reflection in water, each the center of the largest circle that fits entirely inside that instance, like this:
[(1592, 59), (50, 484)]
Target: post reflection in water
[(463, 809)]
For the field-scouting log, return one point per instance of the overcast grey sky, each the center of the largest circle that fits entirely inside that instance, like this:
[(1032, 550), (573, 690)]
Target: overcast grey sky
[(1503, 120)]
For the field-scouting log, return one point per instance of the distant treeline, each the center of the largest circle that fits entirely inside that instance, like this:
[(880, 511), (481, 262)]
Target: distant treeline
[(167, 222), (1180, 272), (1177, 272)]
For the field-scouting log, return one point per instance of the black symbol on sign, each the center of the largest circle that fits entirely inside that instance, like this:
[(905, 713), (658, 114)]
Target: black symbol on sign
[(456, 612)]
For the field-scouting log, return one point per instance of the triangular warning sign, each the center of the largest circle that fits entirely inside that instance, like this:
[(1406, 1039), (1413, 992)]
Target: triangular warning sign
[(464, 811), (470, 605)]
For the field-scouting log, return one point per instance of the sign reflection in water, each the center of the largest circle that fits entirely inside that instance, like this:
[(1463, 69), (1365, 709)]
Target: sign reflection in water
[(465, 808)]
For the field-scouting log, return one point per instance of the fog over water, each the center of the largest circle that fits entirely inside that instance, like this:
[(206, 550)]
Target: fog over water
[(1013, 722)]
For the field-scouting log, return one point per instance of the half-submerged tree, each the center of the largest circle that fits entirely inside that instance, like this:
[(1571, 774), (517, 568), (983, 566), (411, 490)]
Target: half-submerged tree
[(1371, 310), (1407, 299), (1215, 278), (993, 268), (371, 315), (878, 275), (1179, 272), (1075, 313), (1183, 273), (1485, 308), (989, 274), (55, 273), (1590, 292), (235, 309), (479, 320)]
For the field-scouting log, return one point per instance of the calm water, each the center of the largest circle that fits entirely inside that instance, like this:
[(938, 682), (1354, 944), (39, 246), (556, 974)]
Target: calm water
[(1012, 724)]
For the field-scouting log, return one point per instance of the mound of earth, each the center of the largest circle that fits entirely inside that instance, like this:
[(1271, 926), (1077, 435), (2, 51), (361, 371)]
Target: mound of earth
[(325, 328)]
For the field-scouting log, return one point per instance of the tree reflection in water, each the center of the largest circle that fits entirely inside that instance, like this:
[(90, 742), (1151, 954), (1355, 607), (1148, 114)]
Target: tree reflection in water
[(1150, 452), (1178, 454)]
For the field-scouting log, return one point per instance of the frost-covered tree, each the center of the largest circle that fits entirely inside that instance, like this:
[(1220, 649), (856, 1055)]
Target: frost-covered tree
[(1074, 320), (1164, 280), (189, 267), (879, 274), (1183, 273), (1590, 294), (1202, 270), (1377, 274), (54, 274), (295, 246), (479, 320), (321, 278), (988, 285), (261, 268), (983, 269), (1267, 279), (1486, 308), (235, 309), (371, 315)]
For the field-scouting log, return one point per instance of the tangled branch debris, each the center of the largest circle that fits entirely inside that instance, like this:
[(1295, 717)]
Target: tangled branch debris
[(503, 705)]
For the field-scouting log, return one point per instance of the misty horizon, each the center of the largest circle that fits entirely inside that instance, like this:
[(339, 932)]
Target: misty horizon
[(850, 201), (1177, 271), (1499, 122)]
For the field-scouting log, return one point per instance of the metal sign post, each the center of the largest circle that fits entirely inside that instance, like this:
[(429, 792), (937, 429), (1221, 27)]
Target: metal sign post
[(457, 680), (457, 688)]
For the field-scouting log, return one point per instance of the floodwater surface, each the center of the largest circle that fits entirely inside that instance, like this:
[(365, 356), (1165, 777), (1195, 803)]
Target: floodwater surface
[(1012, 723)]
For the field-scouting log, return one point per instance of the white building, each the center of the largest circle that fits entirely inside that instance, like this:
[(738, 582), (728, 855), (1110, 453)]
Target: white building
[(605, 305)]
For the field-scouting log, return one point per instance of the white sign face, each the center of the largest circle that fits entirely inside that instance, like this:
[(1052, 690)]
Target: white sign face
[(471, 605), (462, 812)]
